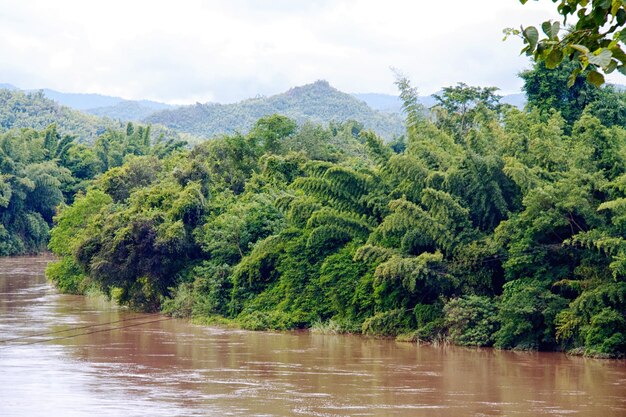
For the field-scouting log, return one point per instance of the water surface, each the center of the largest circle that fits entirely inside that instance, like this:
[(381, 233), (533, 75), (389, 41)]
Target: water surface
[(65, 355)]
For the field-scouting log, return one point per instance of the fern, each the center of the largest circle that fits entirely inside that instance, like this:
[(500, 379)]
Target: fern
[(410, 271), (357, 224), (373, 254)]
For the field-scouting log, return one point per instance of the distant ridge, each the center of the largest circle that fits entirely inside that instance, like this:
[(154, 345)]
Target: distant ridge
[(134, 110), (21, 109), (100, 105), (389, 103), (317, 102), (81, 101), (108, 106), (8, 86)]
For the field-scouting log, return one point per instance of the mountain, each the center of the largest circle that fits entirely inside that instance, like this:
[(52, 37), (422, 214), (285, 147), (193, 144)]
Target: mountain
[(130, 109), (5, 86), (19, 109), (381, 102), (317, 103), (102, 105), (388, 103), (518, 100), (108, 106), (80, 101)]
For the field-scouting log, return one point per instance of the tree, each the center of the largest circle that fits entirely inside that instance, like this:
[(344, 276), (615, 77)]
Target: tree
[(271, 129), (546, 89), (595, 41), (471, 320), (457, 106), (611, 107), (32, 183)]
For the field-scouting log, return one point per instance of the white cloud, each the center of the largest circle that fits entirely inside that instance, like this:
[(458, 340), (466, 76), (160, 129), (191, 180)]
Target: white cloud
[(224, 50)]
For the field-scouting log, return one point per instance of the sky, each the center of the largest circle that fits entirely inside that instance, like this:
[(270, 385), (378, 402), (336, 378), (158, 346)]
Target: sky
[(223, 51)]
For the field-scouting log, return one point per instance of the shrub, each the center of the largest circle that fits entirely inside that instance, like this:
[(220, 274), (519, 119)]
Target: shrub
[(471, 320), (267, 320), (66, 275), (604, 336), (386, 323), (181, 304), (527, 313)]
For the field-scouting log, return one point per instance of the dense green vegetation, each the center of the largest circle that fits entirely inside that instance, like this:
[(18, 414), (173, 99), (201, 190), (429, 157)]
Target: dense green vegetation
[(33, 110), (315, 103), (39, 170), (98, 104), (129, 110), (488, 226), (19, 109)]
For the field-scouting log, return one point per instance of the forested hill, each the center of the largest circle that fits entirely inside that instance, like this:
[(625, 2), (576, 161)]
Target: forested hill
[(116, 108), (317, 103), (134, 110), (19, 109), (98, 103)]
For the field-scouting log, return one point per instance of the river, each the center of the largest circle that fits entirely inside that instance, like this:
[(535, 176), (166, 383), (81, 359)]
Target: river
[(64, 355)]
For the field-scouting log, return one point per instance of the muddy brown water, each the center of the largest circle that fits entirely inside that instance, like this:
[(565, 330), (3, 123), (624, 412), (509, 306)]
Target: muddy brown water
[(105, 361)]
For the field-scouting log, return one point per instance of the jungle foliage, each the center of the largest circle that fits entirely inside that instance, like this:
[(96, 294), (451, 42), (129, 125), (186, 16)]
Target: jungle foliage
[(485, 226), (33, 110), (20, 110), (42, 170)]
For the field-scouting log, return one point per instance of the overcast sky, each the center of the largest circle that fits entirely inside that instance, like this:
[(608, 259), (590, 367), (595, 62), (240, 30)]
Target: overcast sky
[(187, 51)]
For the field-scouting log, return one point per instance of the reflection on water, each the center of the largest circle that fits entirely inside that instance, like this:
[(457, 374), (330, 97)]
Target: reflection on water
[(137, 364)]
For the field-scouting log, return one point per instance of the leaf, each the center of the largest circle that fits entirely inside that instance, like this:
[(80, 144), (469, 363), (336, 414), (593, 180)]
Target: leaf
[(595, 78), (541, 49), (617, 4), (572, 78), (604, 4), (580, 48), (601, 58), (618, 54), (551, 29), (554, 58), (556, 27), (622, 69), (532, 37), (509, 32), (621, 17), (564, 10)]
